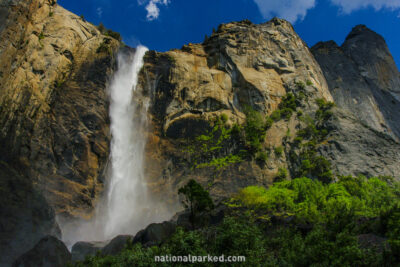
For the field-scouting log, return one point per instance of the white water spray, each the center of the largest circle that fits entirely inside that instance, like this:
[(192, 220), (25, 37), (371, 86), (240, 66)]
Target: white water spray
[(126, 206), (127, 191)]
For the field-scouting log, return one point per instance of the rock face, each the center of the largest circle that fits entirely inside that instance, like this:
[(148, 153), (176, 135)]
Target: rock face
[(25, 215), (241, 64), (355, 148), (49, 252), (54, 125), (54, 134), (363, 78)]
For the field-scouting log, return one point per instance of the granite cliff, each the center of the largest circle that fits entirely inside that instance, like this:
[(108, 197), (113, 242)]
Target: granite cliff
[(54, 133), (206, 102)]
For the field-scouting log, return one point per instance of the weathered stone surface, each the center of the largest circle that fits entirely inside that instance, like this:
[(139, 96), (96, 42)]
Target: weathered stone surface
[(116, 245), (82, 249), (49, 252), (25, 216), (355, 148), (53, 101), (363, 78), (54, 135), (155, 233), (241, 64)]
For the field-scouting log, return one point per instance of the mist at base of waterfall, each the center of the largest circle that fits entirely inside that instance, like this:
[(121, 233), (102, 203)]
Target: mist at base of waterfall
[(126, 206)]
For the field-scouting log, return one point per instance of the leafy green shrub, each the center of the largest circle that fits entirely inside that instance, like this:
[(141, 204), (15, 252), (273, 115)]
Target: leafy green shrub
[(196, 199), (324, 112), (254, 130), (276, 115), (108, 32), (281, 175), (224, 118), (316, 202), (113, 34), (302, 222), (300, 85), (278, 151), (309, 83), (41, 36), (261, 156)]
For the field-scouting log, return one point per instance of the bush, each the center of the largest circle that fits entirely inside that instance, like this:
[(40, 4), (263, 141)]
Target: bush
[(254, 130), (196, 199), (281, 175), (301, 222), (276, 115), (262, 156), (278, 151)]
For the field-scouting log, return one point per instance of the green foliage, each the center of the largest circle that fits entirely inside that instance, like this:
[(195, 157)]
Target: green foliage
[(104, 48), (51, 14), (310, 164), (239, 236), (309, 83), (224, 118), (301, 222), (41, 36), (300, 85), (281, 175), (82, 18), (108, 32), (101, 28), (196, 199), (276, 115), (208, 150), (324, 112), (278, 151), (254, 130), (113, 34), (261, 156), (220, 163), (316, 202), (286, 108)]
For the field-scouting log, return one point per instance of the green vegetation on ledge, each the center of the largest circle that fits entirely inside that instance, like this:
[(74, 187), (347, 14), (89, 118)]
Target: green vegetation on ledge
[(302, 222)]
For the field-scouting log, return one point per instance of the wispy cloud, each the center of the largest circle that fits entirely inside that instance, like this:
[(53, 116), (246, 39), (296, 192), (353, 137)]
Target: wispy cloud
[(99, 12), (348, 6), (291, 10), (152, 7)]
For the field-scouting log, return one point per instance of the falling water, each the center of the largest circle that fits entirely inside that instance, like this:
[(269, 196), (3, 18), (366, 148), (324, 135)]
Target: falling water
[(126, 206), (127, 191)]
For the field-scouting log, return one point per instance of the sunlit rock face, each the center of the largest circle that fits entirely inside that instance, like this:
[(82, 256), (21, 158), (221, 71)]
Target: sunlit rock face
[(363, 78), (243, 64), (54, 126), (54, 106)]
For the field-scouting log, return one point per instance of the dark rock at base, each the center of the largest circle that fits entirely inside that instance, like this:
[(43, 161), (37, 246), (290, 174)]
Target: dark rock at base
[(49, 252), (117, 244), (155, 233), (82, 249), (25, 215)]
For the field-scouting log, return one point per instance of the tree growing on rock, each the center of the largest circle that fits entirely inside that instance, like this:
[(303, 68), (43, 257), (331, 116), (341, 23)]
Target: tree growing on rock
[(196, 199)]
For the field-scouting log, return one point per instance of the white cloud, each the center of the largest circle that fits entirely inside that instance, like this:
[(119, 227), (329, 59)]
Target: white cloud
[(291, 10), (347, 6), (152, 7), (99, 11)]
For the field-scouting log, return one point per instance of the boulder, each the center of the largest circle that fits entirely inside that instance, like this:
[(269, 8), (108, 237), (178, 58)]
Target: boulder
[(82, 249), (155, 233), (49, 252), (117, 244)]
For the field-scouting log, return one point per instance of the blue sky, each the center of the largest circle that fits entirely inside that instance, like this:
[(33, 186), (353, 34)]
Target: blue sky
[(165, 24)]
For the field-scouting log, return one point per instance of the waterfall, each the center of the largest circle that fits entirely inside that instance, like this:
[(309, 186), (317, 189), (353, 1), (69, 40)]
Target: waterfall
[(127, 191), (126, 206)]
